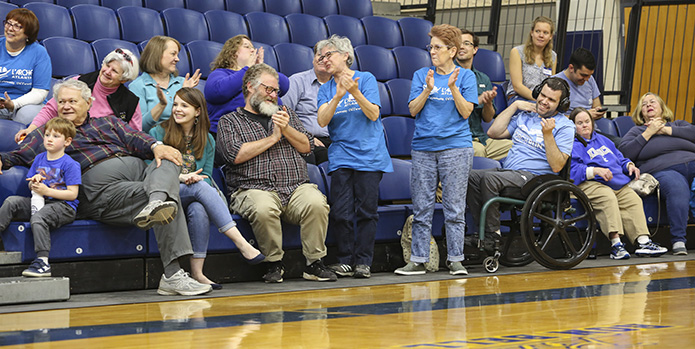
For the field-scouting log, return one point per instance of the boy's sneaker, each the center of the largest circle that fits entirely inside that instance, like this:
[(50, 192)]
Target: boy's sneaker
[(362, 271), (341, 269), (156, 212), (275, 273), (411, 268), (181, 283), (318, 272), (650, 249), (679, 249), (618, 251), (456, 268), (37, 268)]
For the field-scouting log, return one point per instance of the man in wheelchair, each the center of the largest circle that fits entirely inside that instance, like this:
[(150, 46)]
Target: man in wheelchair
[(542, 139)]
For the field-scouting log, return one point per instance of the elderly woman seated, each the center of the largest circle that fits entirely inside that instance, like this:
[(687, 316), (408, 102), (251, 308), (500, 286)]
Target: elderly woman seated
[(602, 172)]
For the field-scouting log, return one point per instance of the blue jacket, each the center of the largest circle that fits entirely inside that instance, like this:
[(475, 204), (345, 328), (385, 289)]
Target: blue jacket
[(599, 152)]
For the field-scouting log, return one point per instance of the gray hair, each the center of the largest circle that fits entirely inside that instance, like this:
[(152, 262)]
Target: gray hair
[(341, 44), (131, 68), (74, 84), (253, 75)]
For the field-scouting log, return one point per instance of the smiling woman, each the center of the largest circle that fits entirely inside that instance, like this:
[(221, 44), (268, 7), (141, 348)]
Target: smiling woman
[(532, 62)]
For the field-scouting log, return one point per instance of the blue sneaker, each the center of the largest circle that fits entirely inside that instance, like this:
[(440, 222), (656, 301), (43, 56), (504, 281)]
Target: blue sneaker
[(618, 251), (37, 268), (650, 249)]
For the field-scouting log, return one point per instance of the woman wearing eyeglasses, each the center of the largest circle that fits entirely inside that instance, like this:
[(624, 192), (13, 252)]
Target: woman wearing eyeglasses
[(110, 96), (159, 81), (26, 68), (349, 105), (442, 97), (533, 61)]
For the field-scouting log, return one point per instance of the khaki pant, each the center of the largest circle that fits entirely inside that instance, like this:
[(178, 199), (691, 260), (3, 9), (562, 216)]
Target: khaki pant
[(618, 211), (495, 149), (264, 211)]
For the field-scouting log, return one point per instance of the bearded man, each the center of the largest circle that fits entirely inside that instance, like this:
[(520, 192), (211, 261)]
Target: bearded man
[(262, 146)]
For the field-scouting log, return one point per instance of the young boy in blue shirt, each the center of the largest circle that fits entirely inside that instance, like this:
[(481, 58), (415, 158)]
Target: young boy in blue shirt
[(57, 178)]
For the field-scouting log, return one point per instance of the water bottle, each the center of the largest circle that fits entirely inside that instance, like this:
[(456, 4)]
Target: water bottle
[(37, 202)]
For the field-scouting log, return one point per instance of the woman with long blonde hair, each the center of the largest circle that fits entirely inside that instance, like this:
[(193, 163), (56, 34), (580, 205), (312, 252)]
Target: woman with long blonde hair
[(531, 63)]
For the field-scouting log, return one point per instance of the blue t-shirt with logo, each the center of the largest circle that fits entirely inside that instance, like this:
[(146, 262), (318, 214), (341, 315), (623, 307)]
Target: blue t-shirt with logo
[(59, 173), (358, 143), (29, 69), (439, 126)]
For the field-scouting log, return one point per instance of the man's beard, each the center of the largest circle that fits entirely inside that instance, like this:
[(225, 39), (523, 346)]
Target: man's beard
[(262, 106)]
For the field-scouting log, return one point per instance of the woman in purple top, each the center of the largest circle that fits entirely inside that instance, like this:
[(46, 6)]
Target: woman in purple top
[(665, 148)]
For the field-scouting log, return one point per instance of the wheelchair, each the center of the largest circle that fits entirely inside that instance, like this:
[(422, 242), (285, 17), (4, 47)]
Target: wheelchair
[(556, 228)]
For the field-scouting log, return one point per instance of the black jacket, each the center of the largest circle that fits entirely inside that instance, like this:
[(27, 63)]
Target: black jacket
[(122, 102)]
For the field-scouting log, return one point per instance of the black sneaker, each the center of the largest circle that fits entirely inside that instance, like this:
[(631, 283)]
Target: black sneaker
[(362, 271), (318, 272), (275, 272)]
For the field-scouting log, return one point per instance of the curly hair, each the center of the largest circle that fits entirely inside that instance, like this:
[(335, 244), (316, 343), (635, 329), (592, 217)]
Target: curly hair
[(666, 112), (227, 57), (547, 50), (450, 35)]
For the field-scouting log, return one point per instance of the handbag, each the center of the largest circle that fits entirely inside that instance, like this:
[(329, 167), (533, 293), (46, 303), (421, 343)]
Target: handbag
[(645, 185)]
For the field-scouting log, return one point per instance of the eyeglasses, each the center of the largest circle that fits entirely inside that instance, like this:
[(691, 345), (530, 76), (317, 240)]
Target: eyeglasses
[(125, 55), (270, 89), (14, 25), (436, 47), (468, 43), (327, 55)]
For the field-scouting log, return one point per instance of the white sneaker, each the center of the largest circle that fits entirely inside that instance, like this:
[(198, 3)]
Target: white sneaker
[(183, 284)]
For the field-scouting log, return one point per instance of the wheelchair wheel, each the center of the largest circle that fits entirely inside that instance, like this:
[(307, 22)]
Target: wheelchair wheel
[(514, 251), (558, 225)]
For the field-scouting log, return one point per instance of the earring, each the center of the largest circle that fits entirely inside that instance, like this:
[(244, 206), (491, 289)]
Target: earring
[(196, 121)]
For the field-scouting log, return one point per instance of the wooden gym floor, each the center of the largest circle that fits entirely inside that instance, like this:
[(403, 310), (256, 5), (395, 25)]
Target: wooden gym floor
[(600, 304)]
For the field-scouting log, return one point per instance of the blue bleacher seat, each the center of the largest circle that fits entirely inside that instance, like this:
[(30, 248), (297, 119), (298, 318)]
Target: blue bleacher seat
[(293, 58), (490, 63), (320, 8), (267, 28), (316, 177), (306, 29), (244, 6), (5, 8), (355, 8), (13, 180), (385, 99), (415, 31), (8, 129), (185, 25), (116, 4), (393, 186), (409, 59), (70, 56), (203, 6), (500, 99), (21, 3), (624, 124), (282, 7), (202, 53), (103, 47), (54, 20), (71, 3), (139, 24), (607, 126), (223, 25), (269, 56), (94, 22), (161, 5), (399, 135), (399, 89), (326, 176), (376, 60), (382, 31), (347, 26), (218, 178)]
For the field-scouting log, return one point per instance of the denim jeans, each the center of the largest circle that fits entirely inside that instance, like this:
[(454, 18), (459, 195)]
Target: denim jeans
[(674, 183), (451, 167), (203, 204)]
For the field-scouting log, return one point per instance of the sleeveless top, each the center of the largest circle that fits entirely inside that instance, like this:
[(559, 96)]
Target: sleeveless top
[(531, 73)]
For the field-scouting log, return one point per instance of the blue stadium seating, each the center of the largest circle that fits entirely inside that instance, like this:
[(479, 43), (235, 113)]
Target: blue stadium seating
[(320, 8), (500, 99), (5, 8), (116, 4), (94, 22), (399, 89), (203, 6), (13, 179), (202, 53), (316, 177), (269, 56), (103, 47), (71, 3), (490, 63), (185, 25), (326, 176), (624, 124), (414, 31), (267, 28), (306, 29), (21, 3), (376, 60), (607, 126), (382, 31), (409, 59), (244, 6), (293, 58), (54, 20), (223, 25), (139, 24), (8, 129), (282, 7), (393, 186), (355, 8), (161, 5), (70, 56), (385, 99), (399, 135), (347, 26)]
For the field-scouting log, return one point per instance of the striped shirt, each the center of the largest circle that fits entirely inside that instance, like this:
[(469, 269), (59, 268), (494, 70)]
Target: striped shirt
[(279, 169)]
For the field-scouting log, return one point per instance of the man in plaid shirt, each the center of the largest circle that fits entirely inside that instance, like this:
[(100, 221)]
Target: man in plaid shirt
[(262, 145)]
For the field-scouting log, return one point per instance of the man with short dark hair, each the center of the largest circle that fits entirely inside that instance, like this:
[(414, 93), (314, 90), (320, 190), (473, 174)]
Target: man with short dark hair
[(583, 88)]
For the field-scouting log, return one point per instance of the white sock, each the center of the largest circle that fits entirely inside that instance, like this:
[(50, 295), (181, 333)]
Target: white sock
[(615, 240), (643, 239), (44, 259), (679, 244)]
